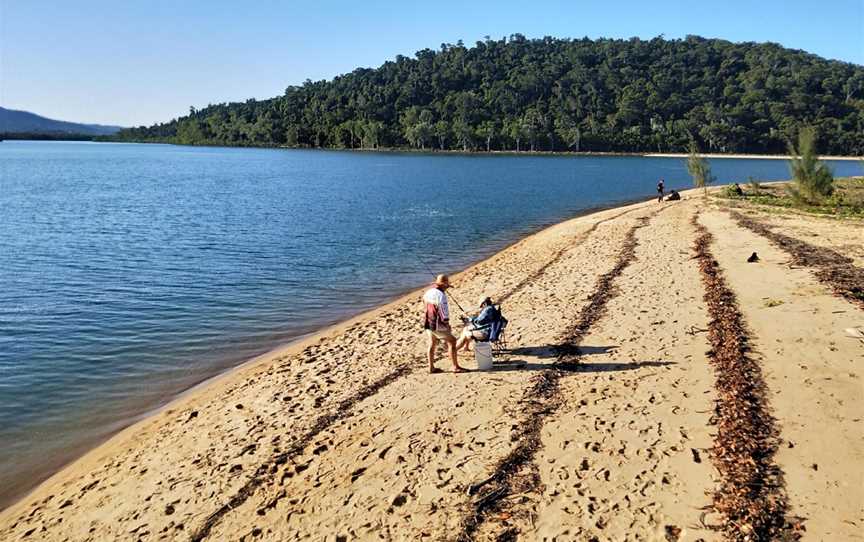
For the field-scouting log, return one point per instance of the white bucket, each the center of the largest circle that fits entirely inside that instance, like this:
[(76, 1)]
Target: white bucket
[(483, 355)]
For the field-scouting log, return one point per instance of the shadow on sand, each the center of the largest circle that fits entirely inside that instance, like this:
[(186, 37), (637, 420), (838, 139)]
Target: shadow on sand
[(511, 362), (548, 351), (522, 365)]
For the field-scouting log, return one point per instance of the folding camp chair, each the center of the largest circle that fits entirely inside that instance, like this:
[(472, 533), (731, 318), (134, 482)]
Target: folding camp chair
[(498, 335)]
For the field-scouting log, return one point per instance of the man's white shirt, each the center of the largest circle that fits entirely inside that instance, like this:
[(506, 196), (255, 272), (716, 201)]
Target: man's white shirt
[(437, 298)]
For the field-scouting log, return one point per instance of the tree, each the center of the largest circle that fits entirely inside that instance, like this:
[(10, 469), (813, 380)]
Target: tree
[(190, 132), (291, 136), (424, 130), (417, 127), (569, 132), (516, 130), (409, 119), (355, 128), (813, 179), (464, 134), (487, 130), (531, 125), (372, 134), (699, 168), (442, 130), (342, 135)]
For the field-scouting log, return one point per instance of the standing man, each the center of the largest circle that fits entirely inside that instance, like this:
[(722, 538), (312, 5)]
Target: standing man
[(437, 322), (660, 190)]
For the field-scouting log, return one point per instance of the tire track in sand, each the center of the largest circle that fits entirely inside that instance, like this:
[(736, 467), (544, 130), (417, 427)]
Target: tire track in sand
[(751, 496), (269, 467), (558, 254), (516, 472), (267, 470), (830, 267)]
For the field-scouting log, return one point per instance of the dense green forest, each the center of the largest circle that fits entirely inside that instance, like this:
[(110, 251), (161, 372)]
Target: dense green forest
[(555, 95)]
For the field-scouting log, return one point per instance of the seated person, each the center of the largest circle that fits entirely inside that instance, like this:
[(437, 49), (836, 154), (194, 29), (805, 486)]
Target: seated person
[(673, 196), (477, 327)]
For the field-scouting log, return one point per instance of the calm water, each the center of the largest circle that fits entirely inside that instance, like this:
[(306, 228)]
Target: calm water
[(128, 273)]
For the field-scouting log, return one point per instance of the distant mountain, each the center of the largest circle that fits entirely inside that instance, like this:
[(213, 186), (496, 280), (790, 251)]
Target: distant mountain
[(17, 122)]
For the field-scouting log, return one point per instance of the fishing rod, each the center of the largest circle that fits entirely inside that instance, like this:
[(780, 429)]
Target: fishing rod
[(429, 269)]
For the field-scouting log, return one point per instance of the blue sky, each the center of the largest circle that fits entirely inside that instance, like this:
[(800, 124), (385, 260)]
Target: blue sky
[(138, 62)]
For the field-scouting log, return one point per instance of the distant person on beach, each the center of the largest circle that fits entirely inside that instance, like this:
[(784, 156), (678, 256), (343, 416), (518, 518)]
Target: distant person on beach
[(477, 327), (673, 196), (436, 322), (660, 188)]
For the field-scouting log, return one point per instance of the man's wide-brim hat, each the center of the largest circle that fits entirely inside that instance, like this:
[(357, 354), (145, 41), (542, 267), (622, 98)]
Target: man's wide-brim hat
[(442, 280)]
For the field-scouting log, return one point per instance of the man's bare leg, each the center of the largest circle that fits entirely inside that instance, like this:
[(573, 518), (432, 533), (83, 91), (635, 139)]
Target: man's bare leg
[(454, 356), (430, 353)]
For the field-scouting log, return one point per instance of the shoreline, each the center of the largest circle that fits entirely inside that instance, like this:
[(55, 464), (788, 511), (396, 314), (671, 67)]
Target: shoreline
[(285, 349), (748, 156), (432, 152), (346, 433)]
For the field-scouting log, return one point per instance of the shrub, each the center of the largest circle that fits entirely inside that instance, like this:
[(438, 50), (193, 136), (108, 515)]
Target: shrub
[(729, 191), (814, 180), (699, 168)]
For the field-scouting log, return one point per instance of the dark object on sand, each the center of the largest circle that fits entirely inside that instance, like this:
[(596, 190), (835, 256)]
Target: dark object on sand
[(737, 189), (673, 196), (753, 258)]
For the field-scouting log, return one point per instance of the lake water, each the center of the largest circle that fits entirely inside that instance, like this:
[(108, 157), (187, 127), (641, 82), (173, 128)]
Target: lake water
[(129, 273)]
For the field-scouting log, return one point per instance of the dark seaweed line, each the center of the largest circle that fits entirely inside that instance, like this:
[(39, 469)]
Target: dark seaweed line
[(830, 267), (751, 495), (544, 399), (267, 470)]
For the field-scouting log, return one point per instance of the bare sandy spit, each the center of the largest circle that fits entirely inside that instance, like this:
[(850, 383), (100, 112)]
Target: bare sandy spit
[(601, 425), (584, 154), (748, 156)]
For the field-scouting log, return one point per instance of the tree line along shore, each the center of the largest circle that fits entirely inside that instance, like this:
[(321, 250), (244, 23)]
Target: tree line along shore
[(552, 94)]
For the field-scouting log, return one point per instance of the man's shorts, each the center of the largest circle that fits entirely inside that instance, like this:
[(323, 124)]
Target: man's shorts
[(480, 335), (443, 335)]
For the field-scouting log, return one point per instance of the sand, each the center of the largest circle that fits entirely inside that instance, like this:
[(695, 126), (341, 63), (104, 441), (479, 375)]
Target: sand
[(347, 436), (745, 156), (844, 236)]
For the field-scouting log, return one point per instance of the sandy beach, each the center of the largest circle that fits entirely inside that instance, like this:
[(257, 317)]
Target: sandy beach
[(745, 156), (617, 414)]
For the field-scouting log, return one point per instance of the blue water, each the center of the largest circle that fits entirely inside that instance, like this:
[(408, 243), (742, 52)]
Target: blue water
[(128, 273)]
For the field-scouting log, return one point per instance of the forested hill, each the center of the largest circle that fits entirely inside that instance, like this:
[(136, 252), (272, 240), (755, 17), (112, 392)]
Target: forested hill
[(555, 94)]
